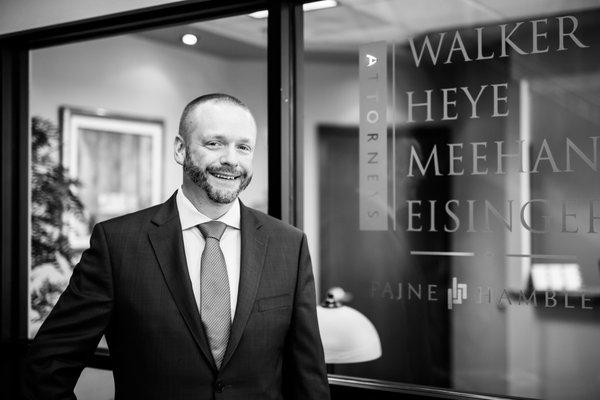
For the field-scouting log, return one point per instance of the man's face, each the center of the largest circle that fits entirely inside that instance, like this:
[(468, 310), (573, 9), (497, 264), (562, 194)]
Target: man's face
[(219, 150)]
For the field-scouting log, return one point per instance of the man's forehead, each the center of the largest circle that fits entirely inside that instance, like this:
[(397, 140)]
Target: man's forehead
[(215, 108), (223, 118)]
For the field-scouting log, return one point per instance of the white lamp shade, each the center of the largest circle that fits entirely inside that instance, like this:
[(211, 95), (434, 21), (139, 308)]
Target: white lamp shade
[(347, 336)]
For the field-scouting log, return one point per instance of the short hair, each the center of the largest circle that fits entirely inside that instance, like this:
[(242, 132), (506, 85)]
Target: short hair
[(185, 123)]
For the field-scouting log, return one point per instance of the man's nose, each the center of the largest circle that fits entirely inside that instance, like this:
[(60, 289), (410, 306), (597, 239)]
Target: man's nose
[(229, 156)]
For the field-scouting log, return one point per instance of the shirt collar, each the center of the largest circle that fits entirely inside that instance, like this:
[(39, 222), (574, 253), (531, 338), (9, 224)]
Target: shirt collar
[(189, 216)]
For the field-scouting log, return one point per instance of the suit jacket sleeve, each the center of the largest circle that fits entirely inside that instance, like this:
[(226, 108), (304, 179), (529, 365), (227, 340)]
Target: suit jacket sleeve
[(304, 372), (70, 334)]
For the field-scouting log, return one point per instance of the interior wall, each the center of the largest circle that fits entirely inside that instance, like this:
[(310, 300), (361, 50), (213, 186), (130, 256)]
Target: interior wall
[(331, 97), (132, 75)]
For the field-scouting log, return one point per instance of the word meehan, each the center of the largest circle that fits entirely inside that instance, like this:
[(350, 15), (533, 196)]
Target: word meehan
[(501, 160)]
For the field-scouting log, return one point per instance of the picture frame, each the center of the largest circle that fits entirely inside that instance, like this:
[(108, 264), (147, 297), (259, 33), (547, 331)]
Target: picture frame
[(117, 160)]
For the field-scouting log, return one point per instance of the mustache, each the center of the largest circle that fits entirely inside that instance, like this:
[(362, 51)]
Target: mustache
[(226, 170)]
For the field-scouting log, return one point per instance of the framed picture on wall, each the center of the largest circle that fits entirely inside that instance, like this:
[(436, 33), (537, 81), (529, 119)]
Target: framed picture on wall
[(117, 160)]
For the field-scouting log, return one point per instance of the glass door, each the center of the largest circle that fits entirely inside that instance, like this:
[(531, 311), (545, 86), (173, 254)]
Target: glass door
[(451, 190)]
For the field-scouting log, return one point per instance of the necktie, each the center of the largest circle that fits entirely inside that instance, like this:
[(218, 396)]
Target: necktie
[(215, 308)]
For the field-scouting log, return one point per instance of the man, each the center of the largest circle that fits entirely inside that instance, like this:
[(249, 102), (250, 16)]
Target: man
[(192, 308)]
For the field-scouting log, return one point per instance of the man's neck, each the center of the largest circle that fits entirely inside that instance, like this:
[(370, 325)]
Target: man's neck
[(203, 204)]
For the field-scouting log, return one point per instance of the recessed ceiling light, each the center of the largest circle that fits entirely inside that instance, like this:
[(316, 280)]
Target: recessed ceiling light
[(189, 39), (259, 14), (319, 5), (315, 5)]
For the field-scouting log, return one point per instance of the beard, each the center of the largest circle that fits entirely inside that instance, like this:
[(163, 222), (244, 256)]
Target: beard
[(200, 178)]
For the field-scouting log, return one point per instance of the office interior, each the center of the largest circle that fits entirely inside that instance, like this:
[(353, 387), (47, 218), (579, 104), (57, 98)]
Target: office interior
[(480, 278)]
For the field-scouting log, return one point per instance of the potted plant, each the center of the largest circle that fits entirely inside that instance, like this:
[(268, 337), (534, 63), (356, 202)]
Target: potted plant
[(53, 203)]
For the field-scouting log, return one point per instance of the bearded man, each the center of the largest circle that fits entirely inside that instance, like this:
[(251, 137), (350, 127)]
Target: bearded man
[(200, 297)]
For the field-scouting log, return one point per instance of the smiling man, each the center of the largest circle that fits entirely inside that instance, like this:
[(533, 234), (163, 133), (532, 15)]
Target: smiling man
[(215, 146), (200, 297)]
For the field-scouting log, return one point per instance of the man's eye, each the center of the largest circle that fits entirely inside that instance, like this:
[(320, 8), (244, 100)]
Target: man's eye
[(245, 147), (212, 144)]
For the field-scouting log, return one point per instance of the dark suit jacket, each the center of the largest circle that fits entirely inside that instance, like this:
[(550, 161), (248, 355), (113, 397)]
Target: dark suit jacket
[(132, 284)]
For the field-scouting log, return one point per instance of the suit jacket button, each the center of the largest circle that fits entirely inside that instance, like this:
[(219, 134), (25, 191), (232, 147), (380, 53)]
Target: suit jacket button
[(219, 386)]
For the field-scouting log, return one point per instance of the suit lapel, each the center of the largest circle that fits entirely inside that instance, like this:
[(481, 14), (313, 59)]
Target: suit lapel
[(254, 246), (167, 242)]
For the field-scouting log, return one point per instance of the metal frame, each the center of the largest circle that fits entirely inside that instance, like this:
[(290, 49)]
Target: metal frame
[(285, 52), (411, 389), (285, 48), (14, 69)]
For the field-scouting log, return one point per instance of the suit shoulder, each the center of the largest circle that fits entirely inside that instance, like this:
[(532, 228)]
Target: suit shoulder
[(136, 218), (275, 225)]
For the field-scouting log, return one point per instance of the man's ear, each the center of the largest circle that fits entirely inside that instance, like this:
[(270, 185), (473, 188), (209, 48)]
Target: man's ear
[(179, 148)]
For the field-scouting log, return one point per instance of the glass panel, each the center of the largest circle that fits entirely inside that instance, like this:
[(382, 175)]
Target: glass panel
[(450, 190), (105, 114)]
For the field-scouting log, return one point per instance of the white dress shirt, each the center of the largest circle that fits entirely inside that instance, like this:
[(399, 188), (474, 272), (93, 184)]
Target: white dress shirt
[(193, 243)]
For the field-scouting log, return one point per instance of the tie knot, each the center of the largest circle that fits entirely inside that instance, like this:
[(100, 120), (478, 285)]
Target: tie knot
[(213, 229)]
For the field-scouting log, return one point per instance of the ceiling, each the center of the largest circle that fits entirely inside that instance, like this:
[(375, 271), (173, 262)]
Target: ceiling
[(338, 30)]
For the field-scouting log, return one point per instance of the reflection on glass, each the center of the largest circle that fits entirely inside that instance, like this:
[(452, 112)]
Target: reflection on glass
[(455, 145)]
